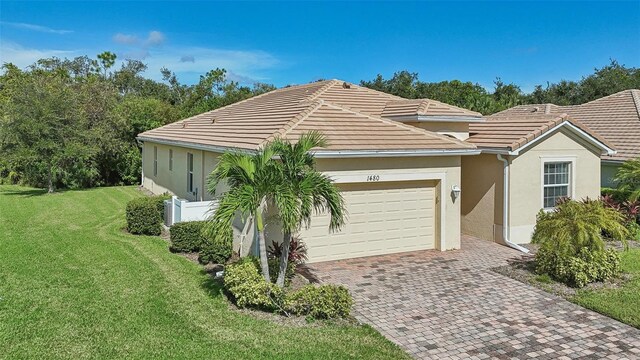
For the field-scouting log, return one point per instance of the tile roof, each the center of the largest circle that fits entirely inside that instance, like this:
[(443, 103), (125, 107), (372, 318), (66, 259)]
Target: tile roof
[(615, 117), (512, 132), (425, 107), (348, 115)]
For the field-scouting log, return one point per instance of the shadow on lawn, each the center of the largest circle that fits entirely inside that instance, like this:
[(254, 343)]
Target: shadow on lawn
[(24, 193), (212, 285)]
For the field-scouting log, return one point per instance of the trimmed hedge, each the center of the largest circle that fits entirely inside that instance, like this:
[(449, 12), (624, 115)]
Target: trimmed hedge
[(187, 236), (320, 302), (145, 214), (578, 271), (216, 250)]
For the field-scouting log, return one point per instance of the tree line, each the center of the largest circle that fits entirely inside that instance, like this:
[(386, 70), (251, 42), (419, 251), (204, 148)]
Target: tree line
[(604, 81), (72, 123)]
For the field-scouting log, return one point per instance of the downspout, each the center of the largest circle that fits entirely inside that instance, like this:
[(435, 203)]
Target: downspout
[(142, 166), (505, 208)]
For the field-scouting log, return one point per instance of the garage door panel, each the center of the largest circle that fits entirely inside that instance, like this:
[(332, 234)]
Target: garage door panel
[(382, 218)]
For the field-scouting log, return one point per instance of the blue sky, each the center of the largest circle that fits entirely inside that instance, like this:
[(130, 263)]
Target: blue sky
[(290, 43)]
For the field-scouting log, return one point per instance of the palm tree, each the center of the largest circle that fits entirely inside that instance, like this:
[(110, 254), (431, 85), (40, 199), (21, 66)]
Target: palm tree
[(251, 178), (303, 191), (628, 178)]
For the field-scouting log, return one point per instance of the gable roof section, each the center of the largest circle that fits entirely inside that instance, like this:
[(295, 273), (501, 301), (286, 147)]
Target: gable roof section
[(426, 109), (513, 133), (615, 117), (345, 114)]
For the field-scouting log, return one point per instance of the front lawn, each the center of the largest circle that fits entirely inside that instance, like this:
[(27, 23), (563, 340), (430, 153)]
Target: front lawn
[(74, 285), (621, 303)]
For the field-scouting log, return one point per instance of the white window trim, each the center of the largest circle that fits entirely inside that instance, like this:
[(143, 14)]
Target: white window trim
[(572, 176), (170, 159)]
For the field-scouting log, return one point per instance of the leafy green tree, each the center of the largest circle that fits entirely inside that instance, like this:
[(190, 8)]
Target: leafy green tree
[(44, 129), (628, 178), (303, 191), (251, 179), (107, 59)]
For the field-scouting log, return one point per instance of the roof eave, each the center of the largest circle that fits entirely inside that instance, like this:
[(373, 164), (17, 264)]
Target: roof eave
[(394, 153), (606, 150), (324, 153)]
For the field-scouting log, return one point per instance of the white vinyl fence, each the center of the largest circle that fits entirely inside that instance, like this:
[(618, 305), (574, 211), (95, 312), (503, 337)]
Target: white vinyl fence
[(180, 210)]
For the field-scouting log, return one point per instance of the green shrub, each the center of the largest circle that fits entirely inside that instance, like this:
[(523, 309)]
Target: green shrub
[(187, 236), (572, 248), (578, 271), (616, 195), (249, 289), (320, 302), (143, 217), (216, 252)]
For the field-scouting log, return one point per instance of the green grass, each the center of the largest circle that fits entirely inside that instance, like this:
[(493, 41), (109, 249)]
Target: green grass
[(74, 285), (623, 303)]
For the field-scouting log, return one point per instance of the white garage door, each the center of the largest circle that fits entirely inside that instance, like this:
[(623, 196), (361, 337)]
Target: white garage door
[(383, 218)]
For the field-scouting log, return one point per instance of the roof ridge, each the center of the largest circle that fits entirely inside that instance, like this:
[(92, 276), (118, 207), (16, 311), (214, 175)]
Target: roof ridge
[(322, 90), (301, 116), (402, 126), (635, 94)]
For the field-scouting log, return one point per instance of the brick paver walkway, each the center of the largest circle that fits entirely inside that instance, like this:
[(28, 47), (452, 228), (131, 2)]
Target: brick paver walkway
[(452, 306)]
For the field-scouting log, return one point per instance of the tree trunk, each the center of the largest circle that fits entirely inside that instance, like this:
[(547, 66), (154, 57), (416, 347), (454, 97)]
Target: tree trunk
[(284, 259), (51, 189), (262, 246)]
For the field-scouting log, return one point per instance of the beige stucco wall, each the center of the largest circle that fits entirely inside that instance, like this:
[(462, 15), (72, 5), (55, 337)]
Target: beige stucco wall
[(607, 174), (525, 193), (482, 195), (459, 130), (175, 181)]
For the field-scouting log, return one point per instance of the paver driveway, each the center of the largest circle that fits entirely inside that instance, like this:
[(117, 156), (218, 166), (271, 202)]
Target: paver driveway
[(452, 306)]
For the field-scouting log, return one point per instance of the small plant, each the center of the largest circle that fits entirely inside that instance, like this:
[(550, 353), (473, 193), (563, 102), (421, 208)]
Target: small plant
[(297, 251), (320, 302), (571, 244), (144, 215)]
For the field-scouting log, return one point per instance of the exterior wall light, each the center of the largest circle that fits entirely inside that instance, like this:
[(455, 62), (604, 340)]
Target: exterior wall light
[(455, 192)]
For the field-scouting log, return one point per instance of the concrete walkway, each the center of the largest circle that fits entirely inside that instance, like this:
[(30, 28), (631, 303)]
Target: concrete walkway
[(452, 306)]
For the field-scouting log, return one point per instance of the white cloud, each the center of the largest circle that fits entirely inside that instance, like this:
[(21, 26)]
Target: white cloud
[(243, 66), (155, 38), (121, 38), (34, 27), (22, 57)]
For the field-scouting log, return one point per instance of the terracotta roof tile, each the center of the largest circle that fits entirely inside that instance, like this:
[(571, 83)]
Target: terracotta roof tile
[(511, 132), (425, 107), (615, 117), (348, 115)]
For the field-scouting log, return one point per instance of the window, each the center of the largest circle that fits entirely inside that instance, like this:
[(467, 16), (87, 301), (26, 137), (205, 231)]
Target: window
[(190, 172), (155, 161), (556, 182), (170, 159)]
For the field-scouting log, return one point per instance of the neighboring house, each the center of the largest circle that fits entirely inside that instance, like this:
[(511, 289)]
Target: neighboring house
[(399, 163), (615, 117)]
